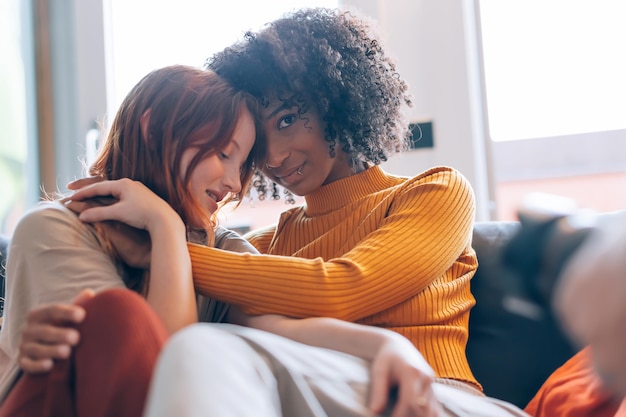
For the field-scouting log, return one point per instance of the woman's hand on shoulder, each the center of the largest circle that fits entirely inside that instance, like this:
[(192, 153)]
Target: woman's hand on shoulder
[(400, 367), (134, 204), (50, 334)]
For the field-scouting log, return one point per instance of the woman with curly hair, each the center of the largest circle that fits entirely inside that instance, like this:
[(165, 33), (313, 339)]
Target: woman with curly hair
[(366, 247)]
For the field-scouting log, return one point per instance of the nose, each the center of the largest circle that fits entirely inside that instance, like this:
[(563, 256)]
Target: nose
[(276, 154), (232, 180)]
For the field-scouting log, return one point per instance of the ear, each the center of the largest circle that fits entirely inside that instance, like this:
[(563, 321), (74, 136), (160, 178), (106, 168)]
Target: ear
[(144, 122)]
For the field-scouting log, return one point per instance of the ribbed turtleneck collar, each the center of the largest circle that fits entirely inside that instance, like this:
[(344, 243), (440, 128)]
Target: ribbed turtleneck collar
[(344, 191)]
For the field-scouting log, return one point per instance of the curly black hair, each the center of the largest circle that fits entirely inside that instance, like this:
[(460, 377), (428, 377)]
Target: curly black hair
[(332, 61)]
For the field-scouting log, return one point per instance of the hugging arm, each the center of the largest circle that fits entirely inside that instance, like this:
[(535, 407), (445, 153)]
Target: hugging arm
[(394, 361)]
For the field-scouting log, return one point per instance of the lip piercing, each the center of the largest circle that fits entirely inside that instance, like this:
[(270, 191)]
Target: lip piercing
[(268, 166)]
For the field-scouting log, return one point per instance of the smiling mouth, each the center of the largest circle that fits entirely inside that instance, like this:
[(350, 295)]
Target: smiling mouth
[(292, 176), (297, 171), (215, 197)]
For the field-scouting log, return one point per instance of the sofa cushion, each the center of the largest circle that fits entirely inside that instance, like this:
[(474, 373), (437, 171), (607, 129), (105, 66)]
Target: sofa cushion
[(512, 347)]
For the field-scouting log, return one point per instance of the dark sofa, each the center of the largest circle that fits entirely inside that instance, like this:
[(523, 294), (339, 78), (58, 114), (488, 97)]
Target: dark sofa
[(511, 354), (513, 347)]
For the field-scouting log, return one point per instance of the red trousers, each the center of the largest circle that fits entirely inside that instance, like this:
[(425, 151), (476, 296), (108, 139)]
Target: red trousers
[(109, 371)]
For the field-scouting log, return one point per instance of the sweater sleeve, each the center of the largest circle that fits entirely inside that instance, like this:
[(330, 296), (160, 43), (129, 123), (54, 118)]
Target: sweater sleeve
[(421, 235)]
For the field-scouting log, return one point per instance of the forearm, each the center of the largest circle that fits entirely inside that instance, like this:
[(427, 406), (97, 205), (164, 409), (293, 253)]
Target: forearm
[(170, 292), (351, 338), (344, 288), (264, 284)]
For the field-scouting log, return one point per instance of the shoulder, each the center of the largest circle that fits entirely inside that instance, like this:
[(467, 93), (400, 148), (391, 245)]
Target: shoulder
[(441, 179), (230, 240), (50, 224), (45, 217), (438, 188), (441, 175), (53, 255)]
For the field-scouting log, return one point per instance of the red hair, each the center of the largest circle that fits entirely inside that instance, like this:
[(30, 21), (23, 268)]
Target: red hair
[(185, 107)]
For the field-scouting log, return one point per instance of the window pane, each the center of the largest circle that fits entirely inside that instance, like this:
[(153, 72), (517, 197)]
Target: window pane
[(13, 119), (554, 67)]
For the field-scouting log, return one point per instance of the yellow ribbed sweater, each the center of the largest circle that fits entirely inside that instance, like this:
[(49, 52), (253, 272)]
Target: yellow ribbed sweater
[(372, 248)]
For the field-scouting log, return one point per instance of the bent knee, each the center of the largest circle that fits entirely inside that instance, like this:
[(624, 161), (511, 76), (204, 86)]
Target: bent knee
[(122, 311), (114, 298)]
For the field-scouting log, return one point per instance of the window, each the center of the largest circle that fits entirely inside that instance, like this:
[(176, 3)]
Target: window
[(554, 67), (555, 94), (16, 172)]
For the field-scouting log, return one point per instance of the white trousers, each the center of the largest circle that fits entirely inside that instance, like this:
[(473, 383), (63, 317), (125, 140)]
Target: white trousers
[(232, 371)]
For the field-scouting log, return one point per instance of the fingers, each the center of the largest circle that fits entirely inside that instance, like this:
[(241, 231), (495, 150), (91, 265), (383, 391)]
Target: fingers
[(415, 395), (379, 388), (400, 369), (37, 358), (42, 344), (49, 334), (103, 200), (99, 214), (58, 314), (76, 206), (37, 355), (99, 189), (83, 182), (45, 337), (35, 366), (84, 296), (416, 399)]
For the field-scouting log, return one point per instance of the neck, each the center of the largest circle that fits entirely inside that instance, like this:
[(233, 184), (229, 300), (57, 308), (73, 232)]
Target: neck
[(358, 166)]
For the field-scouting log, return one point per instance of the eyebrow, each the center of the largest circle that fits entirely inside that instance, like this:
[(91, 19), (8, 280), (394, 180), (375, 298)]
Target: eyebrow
[(284, 106), (234, 142)]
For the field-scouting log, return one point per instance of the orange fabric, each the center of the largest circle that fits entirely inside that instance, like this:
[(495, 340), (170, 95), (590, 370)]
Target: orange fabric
[(574, 390), (371, 248), (109, 371)]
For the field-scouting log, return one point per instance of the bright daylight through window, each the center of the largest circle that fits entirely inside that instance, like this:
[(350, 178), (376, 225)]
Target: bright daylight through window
[(179, 32), (554, 67)]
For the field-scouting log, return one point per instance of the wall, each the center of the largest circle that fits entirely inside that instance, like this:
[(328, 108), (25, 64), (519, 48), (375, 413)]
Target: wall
[(435, 46), (77, 65)]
